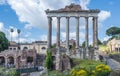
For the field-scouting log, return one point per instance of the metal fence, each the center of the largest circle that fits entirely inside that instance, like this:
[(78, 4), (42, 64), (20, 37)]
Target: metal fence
[(27, 70)]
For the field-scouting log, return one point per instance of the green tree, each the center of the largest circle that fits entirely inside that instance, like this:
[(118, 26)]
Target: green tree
[(113, 31), (99, 42), (83, 44), (8, 72), (4, 43), (49, 61), (119, 36)]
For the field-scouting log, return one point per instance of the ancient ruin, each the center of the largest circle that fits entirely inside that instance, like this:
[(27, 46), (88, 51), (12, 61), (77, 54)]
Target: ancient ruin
[(77, 12)]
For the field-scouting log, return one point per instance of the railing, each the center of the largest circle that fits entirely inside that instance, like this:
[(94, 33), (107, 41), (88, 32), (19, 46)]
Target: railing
[(27, 70)]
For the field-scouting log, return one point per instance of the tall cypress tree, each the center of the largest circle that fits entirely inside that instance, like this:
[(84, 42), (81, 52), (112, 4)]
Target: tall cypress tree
[(49, 61)]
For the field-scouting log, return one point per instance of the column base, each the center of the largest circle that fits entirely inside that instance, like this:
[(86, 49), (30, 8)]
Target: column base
[(67, 53), (96, 54), (58, 50), (78, 55), (58, 63), (81, 53), (87, 53)]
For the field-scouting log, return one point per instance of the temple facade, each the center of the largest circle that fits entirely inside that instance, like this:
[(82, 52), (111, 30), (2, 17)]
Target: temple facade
[(77, 12)]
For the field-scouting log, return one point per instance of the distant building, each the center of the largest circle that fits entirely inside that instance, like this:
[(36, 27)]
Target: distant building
[(114, 45), (14, 57), (13, 46), (40, 46), (24, 54)]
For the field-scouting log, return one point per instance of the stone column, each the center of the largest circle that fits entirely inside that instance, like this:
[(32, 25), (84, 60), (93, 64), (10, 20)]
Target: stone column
[(86, 37), (96, 32), (67, 34), (49, 32), (6, 61), (96, 52), (15, 61), (58, 35), (93, 32), (77, 32), (86, 32)]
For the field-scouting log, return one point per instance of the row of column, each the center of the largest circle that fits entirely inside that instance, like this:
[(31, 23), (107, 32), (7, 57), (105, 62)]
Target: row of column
[(95, 32)]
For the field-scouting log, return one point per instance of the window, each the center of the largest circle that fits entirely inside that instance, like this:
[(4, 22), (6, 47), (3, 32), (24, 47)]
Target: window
[(11, 60), (43, 48), (29, 59), (14, 48), (25, 48), (117, 49), (10, 48)]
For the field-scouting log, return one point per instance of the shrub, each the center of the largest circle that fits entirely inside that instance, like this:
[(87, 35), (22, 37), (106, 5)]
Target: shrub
[(8, 72), (79, 72), (49, 61), (99, 70), (102, 70)]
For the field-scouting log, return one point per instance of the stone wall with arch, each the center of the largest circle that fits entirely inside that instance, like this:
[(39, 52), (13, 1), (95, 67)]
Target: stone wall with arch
[(17, 59)]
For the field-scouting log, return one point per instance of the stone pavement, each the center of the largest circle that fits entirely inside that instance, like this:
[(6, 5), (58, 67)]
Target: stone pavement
[(115, 67)]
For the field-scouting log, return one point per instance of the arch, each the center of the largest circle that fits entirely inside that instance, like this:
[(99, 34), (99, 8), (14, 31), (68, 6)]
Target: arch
[(43, 48), (29, 59), (2, 60), (25, 48), (10, 60)]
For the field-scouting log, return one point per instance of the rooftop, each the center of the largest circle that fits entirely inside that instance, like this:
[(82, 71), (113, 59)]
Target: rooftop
[(72, 8)]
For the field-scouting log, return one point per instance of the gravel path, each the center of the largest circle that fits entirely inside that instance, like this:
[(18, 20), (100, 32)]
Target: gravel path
[(115, 67)]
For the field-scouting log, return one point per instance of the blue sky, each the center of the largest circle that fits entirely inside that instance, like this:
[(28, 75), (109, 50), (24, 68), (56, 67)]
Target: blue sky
[(30, 18)]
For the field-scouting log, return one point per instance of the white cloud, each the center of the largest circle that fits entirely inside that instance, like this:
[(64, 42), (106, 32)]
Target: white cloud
[(84, 4), (73, 35), (22, 40), (1, 26), (103, 15), (3, 29), (2, 2), (105, 38), (27, 34), (44, 38), (32, 12)]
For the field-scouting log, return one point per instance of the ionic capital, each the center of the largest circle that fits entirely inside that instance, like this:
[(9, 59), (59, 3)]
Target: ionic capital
[(49, 18), (67, 17), (77, 17), (95, 18), (86, 18)]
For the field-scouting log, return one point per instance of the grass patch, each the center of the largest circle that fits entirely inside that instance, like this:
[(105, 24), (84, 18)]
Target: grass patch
[(76, 63), (87, 64), (57, 73)]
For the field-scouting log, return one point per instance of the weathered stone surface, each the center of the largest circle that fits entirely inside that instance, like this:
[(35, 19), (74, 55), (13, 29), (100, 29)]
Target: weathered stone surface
[(19, 57), (63, 62), (71, 7)]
